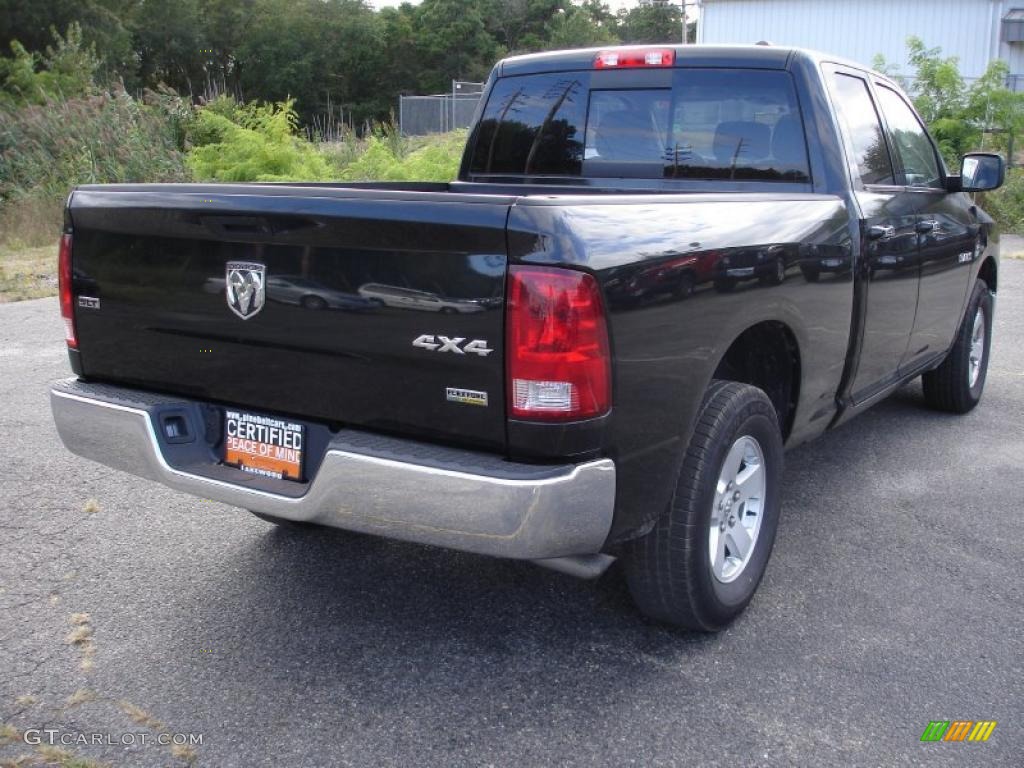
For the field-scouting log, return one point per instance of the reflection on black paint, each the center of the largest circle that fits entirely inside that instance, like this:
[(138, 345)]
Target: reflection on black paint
[(323, 341), (532, 125), (308, 293), (370, 280), (401, 297)]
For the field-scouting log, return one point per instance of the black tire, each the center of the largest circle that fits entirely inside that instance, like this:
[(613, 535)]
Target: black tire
[(810, 275), (283, 522), (669, 570), (948, 387), (684, 288)]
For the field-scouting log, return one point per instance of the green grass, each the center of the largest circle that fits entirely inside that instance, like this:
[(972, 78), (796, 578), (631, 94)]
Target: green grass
[(27, 273)]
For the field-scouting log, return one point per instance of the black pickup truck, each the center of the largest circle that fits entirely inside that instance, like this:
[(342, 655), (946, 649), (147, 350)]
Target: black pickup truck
[(657, 268)]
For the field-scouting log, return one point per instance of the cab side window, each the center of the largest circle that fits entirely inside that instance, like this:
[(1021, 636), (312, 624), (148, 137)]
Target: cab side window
[(914, 149), (856, 110)]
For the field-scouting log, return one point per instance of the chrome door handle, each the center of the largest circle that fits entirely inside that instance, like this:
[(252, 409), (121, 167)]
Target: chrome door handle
[(881, 233), (924, 227)]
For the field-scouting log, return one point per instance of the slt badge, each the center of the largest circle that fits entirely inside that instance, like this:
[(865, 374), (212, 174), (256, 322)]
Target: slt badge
[(246, 287)]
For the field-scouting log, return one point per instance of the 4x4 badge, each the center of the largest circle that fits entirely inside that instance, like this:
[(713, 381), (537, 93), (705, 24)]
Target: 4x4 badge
[(458, 345), (246, 287)]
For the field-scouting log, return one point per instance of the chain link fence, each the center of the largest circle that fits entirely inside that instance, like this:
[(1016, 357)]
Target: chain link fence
[(439, 113)]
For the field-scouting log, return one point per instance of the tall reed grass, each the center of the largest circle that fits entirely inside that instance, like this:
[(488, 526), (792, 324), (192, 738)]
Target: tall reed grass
[(46, 149)]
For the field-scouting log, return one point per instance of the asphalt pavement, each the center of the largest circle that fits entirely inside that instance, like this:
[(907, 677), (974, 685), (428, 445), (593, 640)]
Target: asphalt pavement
[(893, 598), (1012, 245)]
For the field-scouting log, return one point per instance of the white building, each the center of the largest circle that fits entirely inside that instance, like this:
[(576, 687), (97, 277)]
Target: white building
[(975, 31)]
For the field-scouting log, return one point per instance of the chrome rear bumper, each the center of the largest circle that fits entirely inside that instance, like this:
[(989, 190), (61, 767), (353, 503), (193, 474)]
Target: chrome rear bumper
[(390, 487)]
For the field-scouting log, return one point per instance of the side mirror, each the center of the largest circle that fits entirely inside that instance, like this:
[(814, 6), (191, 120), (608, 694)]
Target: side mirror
[(981, 171)]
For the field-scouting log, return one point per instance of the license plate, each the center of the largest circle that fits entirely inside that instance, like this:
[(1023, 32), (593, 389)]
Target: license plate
[(263, 445)]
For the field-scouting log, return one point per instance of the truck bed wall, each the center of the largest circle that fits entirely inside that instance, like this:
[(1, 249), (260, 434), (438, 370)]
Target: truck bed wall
[(676, 305)]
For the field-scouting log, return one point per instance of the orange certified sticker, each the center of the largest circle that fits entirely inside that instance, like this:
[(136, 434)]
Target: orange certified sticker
[(263, 445)]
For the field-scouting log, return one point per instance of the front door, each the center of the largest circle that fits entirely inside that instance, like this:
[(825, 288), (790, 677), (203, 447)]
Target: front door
[(889, 224), (947, 231)]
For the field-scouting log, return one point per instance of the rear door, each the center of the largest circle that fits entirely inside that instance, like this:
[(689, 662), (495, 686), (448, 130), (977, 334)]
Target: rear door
[(947, 230), (286, 300), (890, 234)]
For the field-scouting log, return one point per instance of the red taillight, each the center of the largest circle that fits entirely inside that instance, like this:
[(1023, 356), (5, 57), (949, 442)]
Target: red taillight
[(67, 301), (624, 58), (557, 345)]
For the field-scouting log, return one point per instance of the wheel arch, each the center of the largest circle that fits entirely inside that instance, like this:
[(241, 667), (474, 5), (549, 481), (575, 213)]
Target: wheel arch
[(766, 355), (988, 273)]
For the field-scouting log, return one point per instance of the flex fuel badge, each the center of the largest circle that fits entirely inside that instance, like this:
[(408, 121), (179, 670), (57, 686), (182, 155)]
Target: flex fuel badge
[(466, 396)]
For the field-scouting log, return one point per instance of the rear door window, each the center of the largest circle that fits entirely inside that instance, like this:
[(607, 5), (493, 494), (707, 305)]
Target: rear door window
[(740, 125), (857, 111)]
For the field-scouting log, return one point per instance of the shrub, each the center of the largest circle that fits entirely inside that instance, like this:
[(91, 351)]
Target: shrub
[(342, 153), (437, 159), (1006, 204), (66, 70), (265, 148)]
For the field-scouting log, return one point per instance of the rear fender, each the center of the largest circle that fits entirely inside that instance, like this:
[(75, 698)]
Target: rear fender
[(667, 347)]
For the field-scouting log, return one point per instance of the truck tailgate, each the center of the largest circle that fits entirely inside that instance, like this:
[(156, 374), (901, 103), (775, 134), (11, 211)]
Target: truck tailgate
[(349, 278)]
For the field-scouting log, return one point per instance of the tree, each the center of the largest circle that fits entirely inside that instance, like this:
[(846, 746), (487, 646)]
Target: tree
[(653, 23), (939, 90), (455, 42), (403, 50), (957, 116), (890, 69), (226, 24), (319, 52), (67, 69), (348, 60), (991, 105), (600, 14), (171, 45), (102, 24), (578, 28), (520, 25)]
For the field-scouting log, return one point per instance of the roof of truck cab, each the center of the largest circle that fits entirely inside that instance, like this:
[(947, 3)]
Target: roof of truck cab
[(746, 56)]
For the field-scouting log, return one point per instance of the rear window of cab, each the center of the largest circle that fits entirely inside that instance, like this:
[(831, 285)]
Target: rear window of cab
[(733, 124)]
